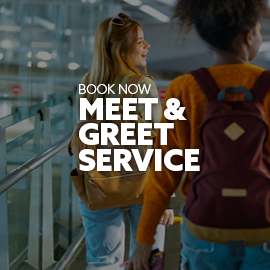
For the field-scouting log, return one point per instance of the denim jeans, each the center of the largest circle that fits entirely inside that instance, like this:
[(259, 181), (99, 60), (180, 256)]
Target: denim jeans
[(105, 235), (197, 254)]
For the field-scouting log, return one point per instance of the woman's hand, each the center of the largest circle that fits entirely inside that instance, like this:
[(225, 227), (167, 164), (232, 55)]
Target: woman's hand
[(167, 218), (140, 258)]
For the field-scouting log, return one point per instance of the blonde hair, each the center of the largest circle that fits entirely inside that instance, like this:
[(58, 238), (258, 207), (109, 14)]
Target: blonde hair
[(111, 57)]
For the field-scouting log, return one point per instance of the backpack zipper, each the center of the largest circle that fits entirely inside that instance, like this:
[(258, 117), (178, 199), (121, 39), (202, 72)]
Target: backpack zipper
[(94, 185)]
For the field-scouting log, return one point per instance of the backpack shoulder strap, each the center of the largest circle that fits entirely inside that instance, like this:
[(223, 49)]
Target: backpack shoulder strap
[(206, 82), (135, 79), (261, 87)]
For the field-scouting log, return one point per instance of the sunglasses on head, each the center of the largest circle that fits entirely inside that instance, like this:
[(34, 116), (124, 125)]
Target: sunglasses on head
[(118, 20)]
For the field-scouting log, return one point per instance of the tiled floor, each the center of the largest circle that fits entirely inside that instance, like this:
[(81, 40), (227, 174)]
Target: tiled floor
[(172, 244)]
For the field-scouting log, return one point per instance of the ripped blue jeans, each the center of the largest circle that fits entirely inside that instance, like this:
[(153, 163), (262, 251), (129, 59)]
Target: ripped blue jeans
[(197, 254), (105, 235)]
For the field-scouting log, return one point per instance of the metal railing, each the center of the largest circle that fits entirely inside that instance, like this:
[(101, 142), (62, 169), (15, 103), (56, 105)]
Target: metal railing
[(22, 171), (49, 213)]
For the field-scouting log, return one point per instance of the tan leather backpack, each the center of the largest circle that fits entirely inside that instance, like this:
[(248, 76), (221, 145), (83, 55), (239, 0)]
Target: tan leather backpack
[(102, 189)]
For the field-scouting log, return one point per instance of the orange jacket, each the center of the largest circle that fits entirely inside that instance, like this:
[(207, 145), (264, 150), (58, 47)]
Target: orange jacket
[(185, 135)]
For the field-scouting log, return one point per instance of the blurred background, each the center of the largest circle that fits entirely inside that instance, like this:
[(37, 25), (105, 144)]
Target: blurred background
[(46, 46)]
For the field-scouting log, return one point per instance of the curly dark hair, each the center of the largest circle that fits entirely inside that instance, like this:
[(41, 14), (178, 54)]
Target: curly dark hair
[(219, 22)]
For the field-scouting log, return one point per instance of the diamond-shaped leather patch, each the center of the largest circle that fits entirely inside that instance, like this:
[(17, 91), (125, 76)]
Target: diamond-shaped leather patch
[(234, 131)]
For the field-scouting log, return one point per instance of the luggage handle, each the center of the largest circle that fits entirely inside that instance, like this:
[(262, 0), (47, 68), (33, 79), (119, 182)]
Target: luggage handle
[(240, 89)]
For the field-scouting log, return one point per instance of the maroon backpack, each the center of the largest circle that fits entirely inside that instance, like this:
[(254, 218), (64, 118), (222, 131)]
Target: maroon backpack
[(229, 199)]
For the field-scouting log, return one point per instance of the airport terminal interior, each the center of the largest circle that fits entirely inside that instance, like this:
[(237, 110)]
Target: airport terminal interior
[(46, 47)]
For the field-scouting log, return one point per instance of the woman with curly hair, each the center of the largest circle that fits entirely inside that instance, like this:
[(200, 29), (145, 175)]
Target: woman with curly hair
[(232, 30)]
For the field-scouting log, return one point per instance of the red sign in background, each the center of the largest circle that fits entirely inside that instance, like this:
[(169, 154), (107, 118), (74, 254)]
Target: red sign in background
[(162, 93), (16, 89)]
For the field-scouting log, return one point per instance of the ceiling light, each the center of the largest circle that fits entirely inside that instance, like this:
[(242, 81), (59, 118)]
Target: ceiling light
[(73, 66), (46, 24), (168, 2), (1, 56), (29, 63), (92, 1), (67, 32), (10, 28), (6, 44), (42, 64), (42, 44), (154, 13), (133, 2), (44, 56), (29, 54)]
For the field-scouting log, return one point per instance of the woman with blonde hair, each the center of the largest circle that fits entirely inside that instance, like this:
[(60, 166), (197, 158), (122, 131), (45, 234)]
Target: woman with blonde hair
[(119, 47)]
